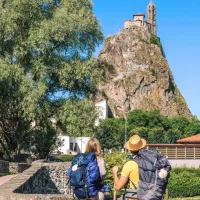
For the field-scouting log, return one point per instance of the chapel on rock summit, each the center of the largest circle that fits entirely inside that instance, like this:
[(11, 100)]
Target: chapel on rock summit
[(139, 20)]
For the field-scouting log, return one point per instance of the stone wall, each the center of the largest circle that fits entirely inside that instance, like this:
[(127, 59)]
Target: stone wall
[(4, 166), (43, 181), (16, 168), (47, 180)]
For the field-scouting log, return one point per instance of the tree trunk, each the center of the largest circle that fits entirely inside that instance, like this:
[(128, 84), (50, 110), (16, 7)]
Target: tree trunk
[(5, 149)]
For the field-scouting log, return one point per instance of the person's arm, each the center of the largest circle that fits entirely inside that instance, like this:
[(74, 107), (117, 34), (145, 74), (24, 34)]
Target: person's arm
[(119, 182)]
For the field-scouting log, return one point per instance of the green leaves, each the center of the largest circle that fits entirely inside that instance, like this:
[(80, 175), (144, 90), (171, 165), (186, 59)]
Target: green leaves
[(111, 133), (184, 182), (77, 117), (46, 47), (111, 160), (150, 125)]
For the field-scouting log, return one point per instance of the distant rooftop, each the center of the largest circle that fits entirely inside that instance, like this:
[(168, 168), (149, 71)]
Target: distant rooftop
[(139, 14), (193, 139)]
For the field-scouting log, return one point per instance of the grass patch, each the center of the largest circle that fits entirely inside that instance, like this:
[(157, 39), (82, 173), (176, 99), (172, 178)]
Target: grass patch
[(66, 158), (5, 174), (186, 198)]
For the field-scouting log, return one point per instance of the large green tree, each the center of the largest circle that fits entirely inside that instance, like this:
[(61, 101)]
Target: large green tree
[(111, 133), (150, 125), (46, 59)]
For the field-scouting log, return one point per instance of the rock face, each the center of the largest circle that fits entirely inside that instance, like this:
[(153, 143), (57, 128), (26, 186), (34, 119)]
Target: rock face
[(140, 77)]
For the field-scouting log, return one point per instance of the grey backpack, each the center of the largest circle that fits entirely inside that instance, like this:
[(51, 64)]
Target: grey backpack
[(151, 186)]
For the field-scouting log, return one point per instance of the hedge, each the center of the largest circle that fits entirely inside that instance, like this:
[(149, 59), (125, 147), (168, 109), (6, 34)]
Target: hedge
[(111, 160), (66, 158), (183, 182)]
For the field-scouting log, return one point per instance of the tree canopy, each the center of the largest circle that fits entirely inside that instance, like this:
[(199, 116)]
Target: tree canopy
[(46, 49), (150, 125), (111, 133)]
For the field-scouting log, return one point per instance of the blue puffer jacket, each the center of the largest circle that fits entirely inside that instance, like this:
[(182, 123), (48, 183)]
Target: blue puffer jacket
[(84, 175)]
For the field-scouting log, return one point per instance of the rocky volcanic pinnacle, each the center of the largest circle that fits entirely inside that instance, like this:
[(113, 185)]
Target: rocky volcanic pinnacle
[(141, 77)]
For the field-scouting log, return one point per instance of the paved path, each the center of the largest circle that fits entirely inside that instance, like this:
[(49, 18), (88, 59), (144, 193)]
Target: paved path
[(4, 179)]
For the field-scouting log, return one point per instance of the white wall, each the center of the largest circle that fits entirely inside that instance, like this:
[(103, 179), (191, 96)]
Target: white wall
[(102, 109), (66, 142), (80, 141), (184, 163), (141, 18)]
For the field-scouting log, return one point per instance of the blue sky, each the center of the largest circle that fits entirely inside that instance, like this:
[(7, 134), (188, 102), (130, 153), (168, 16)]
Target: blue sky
[(178, 26)]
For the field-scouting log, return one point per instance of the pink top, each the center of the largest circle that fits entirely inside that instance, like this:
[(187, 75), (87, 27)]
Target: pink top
[(102, 168)]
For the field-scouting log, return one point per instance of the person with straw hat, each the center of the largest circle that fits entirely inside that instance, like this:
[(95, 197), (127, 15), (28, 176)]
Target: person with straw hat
[(130, 169)]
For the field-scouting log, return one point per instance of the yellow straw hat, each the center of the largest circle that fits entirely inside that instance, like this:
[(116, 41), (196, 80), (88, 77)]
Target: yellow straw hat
[(135, 143)]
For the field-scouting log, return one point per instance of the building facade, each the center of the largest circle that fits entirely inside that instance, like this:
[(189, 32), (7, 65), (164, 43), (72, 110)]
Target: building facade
[(151, 17), (102, 109), (139, 20), (73, 145), (179, 155)]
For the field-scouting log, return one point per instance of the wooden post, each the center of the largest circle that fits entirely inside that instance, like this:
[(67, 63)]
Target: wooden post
[(185, 153), (115, 193), (167, 193), (166, 152)]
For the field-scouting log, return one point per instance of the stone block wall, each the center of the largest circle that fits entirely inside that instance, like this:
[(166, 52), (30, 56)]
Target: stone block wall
[(4, 166), (47, 180), (42, 181), (16, 168)]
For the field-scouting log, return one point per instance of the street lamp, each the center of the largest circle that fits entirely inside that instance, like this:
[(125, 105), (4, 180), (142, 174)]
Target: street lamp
[(125, 127)]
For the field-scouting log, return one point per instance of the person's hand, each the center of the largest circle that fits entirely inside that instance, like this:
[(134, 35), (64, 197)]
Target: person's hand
[(115, 169)]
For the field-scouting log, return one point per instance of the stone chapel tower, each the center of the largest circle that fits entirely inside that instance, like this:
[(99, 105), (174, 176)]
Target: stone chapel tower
[(151, 17)]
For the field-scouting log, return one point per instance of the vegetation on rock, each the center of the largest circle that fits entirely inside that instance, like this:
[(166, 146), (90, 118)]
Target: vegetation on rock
[(155, 40)]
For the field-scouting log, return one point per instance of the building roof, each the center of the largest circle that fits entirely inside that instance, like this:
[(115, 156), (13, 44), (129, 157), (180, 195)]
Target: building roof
[(174, 145), (195, 139), (139, 14)]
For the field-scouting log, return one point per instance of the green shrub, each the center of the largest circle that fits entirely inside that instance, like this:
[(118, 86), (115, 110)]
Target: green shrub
[(195, 171), (184, 182), (66, 158), (103, 93), (111, 160), (155, 40), (153, 72)]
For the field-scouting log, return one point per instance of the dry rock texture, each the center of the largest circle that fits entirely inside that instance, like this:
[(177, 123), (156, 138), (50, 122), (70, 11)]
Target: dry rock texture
[(140, 77)]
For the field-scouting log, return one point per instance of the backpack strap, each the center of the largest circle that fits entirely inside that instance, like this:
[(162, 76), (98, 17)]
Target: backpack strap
[(133, 184), (135, 159), (85, 182)]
